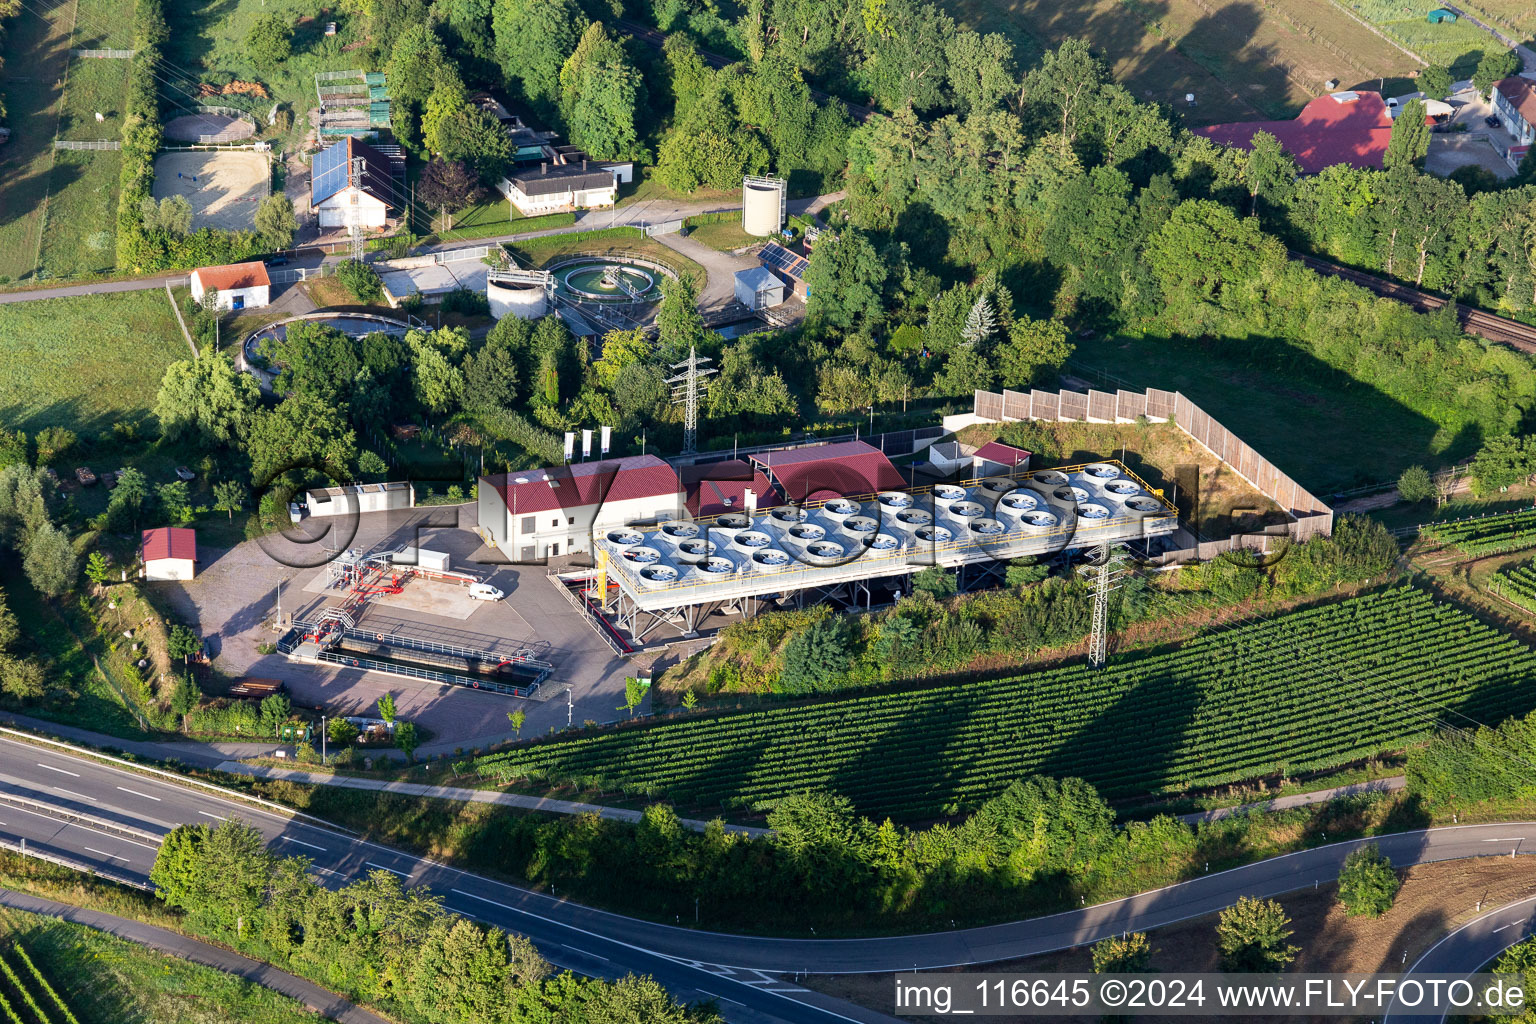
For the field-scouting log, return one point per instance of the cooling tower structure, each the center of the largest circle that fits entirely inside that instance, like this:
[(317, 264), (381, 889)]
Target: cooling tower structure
[(763, 205), (681, 570), (520, 293)]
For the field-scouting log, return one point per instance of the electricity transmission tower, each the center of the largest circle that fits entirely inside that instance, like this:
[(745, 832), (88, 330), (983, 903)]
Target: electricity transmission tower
[(685, 392), (355, 210), (1107, 573)]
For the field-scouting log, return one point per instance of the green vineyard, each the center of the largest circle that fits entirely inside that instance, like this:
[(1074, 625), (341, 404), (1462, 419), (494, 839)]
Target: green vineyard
[(1488, 535), (26, 996), (1516, 584), (1304, 691)]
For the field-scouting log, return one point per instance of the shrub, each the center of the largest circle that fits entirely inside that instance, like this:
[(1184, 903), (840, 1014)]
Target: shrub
[(360, 280), (1122, 954), (1367, 883), (1251, 935), (813, 659)]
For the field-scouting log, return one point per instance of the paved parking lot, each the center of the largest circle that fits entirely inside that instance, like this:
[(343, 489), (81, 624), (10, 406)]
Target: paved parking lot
[(235, 594)]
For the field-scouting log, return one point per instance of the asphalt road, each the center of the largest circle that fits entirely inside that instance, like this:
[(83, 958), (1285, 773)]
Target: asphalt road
[(1468, 948), (742, 971)]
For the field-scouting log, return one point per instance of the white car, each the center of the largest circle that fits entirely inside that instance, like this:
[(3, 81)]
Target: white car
[(485, 592)]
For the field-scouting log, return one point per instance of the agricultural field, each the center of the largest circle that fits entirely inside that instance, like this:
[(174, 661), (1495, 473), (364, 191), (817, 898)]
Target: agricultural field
[(1494, 534), (36, 51), (53, 972), (1517, 17), (1244, 61), (1304, 691), (86, 362), (1459, 44), (1516, 584)]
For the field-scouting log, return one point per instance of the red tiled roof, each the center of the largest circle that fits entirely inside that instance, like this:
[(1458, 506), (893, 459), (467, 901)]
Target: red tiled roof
[(168, 542), (234, 275), (830, 470), (722, 487), (1002, 454), (1521, 94), (587, 483), (1327, 131)]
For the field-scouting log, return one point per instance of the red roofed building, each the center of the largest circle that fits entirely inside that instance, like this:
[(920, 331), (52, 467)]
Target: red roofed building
[(169, 553), (545, 513), (829, 471), (996, 457), (1340, 128), (730, 486), (1514, 103), (239, 285)]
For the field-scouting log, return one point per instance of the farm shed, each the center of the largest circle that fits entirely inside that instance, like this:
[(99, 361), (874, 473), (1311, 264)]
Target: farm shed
[(758, 288), (1440, 14), (237, 285), (169, 553)]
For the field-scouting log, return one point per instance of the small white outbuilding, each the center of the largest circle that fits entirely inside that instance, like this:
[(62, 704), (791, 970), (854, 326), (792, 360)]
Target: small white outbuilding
[(237, 285), (758, 288), (169, 553)]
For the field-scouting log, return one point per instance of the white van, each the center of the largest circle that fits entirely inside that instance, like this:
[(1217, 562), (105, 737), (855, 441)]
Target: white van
[(485, 592)]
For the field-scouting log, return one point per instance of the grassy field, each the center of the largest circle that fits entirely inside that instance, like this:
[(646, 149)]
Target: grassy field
[(80, 233), (106, 980), (87, 362), (36, 51), (96, 86), (1329, 432), (1243, 60), (1460, 44), (725, 235), (1517, 16)]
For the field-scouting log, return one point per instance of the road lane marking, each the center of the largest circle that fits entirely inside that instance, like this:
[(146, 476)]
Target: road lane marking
[(1510, 925), (220, 817), (77, 796), (104, 853), (61, 771), (301, 842), (1515, 839), (135, 792), (381, 867)]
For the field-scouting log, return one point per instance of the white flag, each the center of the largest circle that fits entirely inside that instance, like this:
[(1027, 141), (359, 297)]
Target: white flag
[(586, 443), (605, 440), (570, 445)]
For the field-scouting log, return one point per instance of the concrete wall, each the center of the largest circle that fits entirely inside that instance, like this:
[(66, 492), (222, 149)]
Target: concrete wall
[(170, 569)]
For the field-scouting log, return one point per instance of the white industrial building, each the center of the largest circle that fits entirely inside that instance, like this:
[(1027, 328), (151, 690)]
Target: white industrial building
[(352, 183), (169, 553), (550, 188), (237, 286), (354, 498), (545, 513), (758, 288)]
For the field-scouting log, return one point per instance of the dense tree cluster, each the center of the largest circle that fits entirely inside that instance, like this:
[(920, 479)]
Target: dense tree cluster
[(379, 941)]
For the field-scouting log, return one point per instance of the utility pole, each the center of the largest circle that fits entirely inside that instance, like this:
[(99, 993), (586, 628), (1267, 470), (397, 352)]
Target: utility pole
[(322, 740), (570, 707), (685, 392)]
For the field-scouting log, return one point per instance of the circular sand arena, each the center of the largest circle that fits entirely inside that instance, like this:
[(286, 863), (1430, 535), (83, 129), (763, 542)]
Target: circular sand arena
[(195, 127), (223, 186)]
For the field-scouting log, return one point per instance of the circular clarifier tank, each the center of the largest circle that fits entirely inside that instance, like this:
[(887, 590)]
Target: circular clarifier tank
[(658, 575), (1144, 505), (967, 509), (839, 509), (893, 500), (860, 525), (695, 551), (1101, 471), (947, 494), (624, 538), (1038, 521), (733, 521), (987, 527), (1016, 503), (824, 552), (934, 534), (807, 532), (786, 515), (1092, 510), (714, 565), (752, 540), (770, 560), (641, 556), (678, 529)]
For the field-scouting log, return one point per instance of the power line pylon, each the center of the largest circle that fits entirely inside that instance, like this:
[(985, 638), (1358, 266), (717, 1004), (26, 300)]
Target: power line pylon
[(1107, 574), (355, 211), (685, 392)]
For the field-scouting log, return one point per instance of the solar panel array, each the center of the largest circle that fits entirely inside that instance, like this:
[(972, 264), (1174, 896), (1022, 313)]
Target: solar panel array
[(783, 260)]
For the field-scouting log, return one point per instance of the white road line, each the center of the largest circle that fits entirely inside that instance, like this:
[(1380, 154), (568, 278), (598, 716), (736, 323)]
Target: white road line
[(1501, 928), (104, 853), (135, 792), (301, 842), (381, 867), (61, 771), (77, 796), (1514, 839), (220, 817)]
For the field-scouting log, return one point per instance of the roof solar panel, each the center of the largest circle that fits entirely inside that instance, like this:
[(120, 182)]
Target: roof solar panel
[(779, 258)]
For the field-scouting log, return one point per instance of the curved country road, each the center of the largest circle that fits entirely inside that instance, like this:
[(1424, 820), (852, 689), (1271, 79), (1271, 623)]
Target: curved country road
[(311, 995), (1468, 948), (119, 815)]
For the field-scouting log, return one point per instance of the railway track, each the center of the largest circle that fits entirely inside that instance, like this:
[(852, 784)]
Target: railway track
[(1484, 325), (651, 37)]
